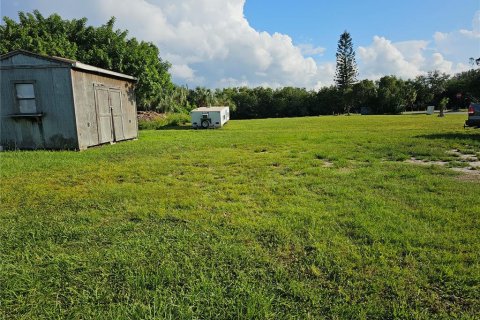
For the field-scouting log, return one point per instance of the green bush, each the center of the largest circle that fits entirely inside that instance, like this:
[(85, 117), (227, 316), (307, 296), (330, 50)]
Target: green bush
[(149, 124), (170, 120)]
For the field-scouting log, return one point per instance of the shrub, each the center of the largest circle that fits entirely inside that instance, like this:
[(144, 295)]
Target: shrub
[(167, 121)]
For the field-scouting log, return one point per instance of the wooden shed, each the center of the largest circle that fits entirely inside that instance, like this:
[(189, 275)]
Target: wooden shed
[(57, 103)]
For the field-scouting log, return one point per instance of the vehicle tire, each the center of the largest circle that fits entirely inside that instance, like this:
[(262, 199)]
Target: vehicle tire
[(205, 124)]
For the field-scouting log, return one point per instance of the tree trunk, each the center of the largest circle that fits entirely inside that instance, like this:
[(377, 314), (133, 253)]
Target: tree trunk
[(441, 111)]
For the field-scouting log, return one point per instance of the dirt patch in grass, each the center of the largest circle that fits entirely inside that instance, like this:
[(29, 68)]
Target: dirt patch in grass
[(468, 174), (344, 170), (472, 159), (327, 164), (426, 162), (470, 164)]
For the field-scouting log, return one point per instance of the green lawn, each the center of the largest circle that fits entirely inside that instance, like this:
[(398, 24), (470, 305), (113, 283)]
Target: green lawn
[(305, 218)]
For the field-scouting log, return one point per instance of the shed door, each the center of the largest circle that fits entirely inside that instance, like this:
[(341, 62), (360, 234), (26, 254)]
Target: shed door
[(117, 114), (105, 132), (110, 114)]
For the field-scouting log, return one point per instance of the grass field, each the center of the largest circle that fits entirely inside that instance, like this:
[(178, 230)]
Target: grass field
[(305, 218)]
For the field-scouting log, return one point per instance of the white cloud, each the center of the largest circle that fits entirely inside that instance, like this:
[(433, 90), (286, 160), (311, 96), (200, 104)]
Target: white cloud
[(211, 43), (182, 71), (446, 52), (383, 57), (476, 22), (309, 50), (208, 42), (462, 44)]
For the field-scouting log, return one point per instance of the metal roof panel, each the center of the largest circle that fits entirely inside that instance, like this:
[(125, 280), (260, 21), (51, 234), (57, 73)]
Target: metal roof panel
[(73, 63)]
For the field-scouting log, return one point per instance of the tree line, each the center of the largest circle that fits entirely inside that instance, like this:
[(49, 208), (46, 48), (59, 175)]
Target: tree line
[(104, 47), (111, 48), (388, 95)]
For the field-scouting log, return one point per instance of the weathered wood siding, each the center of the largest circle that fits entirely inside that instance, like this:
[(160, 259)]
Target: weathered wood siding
[(55, 129), (86, 107), (75, 108)]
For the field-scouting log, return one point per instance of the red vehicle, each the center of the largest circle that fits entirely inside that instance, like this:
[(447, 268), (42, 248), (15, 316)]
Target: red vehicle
[(473, 115)]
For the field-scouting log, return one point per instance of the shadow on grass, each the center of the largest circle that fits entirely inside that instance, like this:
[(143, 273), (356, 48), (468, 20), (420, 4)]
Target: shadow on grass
[(452, 136)]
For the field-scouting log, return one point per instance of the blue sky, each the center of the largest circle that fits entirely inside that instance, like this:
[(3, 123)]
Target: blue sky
[(218, 43), (321, 22)]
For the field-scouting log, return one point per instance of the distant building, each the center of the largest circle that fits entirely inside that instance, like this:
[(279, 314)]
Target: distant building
[(56, 103)]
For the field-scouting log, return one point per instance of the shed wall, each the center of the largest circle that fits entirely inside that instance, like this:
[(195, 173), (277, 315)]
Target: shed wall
[(26, 60), (86, 107), (55, 128)]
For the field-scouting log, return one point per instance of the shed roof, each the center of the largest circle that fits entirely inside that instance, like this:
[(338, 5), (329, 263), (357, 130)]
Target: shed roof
[(207, 109), (72, 63)]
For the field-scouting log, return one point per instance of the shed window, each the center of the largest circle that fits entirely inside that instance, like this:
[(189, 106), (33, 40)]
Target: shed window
[(25, 93)]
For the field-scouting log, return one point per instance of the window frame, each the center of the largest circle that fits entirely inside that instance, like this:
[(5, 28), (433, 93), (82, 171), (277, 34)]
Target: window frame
[(17, 100)]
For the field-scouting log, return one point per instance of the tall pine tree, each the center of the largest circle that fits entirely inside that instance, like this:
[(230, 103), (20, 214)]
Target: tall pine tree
[(346, 73), (346, 70)]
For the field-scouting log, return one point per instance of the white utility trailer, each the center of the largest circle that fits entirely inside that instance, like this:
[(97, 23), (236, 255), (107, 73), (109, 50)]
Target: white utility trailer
[(209, 117)]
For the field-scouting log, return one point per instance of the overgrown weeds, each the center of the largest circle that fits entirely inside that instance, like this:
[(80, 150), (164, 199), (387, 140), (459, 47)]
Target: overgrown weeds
[(164, 121)]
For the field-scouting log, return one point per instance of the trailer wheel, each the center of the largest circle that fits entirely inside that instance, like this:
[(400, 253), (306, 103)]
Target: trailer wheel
[(205, 124)]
